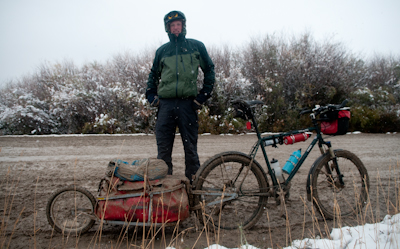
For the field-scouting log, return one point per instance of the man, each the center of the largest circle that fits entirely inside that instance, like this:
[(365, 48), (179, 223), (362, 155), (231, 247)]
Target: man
[(172, 87)]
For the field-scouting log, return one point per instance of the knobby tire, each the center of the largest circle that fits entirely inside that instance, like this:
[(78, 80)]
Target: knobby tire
[(332, 199), (219, 173)]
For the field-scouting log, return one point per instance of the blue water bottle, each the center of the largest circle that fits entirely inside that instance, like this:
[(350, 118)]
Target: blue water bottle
[(293, 159)]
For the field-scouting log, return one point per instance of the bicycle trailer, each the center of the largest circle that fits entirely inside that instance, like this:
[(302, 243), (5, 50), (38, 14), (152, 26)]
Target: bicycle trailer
[(157, 201)]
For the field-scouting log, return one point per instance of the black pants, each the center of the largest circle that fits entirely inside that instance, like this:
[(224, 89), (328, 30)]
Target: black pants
[(174, 113)]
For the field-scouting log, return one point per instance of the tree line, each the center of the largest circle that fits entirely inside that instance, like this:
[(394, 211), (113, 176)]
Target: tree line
[(286, 73)]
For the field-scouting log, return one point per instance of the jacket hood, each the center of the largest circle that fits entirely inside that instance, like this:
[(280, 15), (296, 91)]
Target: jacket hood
[(173, 16)]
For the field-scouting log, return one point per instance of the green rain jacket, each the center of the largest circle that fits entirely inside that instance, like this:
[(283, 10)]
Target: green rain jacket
[(175, 69)]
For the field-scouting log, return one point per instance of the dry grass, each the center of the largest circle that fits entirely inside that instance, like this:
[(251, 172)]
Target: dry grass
[(135, 235)]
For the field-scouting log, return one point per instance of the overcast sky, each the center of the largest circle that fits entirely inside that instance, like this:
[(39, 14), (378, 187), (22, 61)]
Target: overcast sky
[(37, 31)]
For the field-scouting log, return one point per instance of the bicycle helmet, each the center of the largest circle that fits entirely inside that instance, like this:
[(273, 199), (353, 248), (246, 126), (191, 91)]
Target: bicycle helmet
[(173, 16)]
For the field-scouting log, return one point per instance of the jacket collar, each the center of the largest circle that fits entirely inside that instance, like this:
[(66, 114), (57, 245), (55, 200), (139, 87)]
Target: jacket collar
[(176, 39)]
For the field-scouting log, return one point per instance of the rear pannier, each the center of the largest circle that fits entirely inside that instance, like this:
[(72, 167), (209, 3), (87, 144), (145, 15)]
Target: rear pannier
[(335, 122)]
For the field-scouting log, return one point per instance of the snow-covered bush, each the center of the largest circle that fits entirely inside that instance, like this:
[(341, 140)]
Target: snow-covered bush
[(285, 73)]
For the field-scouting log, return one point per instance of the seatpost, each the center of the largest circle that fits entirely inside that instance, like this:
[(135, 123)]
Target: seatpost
[(253, 119)]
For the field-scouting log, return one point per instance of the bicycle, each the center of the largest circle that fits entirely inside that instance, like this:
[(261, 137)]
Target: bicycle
[(233, 186)]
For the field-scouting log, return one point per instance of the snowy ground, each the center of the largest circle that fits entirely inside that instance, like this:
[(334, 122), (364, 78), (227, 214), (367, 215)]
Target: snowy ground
[(385, 234)]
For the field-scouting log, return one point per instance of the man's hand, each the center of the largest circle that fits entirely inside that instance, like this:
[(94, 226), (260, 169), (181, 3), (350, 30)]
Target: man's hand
[(155, 102), (196, 105)]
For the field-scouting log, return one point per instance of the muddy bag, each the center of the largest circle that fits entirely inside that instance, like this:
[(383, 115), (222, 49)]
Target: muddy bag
[(153, 168), (158, 201), (335, 122)]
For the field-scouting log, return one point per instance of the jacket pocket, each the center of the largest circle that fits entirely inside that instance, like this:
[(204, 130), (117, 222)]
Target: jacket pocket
[(195, 62)]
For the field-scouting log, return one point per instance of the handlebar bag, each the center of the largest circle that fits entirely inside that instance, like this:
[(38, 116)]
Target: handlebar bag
[(157, 201), (335, 122)]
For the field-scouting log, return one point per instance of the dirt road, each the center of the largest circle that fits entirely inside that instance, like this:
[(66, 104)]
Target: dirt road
[(32, 167)]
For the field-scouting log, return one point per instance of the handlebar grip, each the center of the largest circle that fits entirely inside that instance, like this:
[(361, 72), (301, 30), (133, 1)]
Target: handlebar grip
[(305, 112), (343, 103)]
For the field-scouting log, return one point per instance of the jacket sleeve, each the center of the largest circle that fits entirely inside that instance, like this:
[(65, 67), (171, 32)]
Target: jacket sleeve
[(207, 66), (153, 80)]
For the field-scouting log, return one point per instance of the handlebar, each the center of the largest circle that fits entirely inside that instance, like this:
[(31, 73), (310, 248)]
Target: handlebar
[(243, 108), (318, 109), (343, 103), (305, 111)]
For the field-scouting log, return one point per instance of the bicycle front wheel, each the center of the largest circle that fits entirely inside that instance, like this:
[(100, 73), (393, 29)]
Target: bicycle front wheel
[(333, 198), (70, 210), (234, 193)]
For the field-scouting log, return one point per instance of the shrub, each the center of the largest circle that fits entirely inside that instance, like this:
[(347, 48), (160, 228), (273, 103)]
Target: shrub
[(286, 73)]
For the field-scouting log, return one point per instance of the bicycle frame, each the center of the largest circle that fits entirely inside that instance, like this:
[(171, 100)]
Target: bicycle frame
[(317, 139), (247, 184)]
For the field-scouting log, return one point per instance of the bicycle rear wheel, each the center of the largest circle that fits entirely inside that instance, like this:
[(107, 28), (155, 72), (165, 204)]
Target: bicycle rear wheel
[(235, 194), (330, 197), (69, 210)]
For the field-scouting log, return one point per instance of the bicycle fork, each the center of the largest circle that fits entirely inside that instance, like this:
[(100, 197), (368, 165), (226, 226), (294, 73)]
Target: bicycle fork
[(334, 163)]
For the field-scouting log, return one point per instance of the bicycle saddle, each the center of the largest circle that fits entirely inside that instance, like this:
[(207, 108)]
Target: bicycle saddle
[(242, 108)]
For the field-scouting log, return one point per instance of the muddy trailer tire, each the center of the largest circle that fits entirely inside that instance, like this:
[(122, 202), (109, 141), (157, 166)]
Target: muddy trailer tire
[(71, 210)]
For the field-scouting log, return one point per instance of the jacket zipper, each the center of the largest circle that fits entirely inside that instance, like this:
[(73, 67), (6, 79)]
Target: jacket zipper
[(183, 65), (191, 63), (177, 72)]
